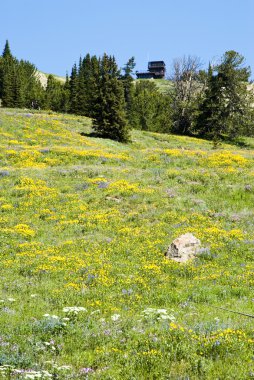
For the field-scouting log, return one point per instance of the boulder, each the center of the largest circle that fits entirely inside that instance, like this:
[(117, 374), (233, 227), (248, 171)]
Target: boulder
[(184, 248)]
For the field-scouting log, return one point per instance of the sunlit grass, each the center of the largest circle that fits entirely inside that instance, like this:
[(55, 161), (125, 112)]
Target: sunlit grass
[(86, 291)]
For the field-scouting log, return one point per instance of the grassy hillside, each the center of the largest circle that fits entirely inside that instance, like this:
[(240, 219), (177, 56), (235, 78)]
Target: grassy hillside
[(86, 292), (163, 85), (43, 77)]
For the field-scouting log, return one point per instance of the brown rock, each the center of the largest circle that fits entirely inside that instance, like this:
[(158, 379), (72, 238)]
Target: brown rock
[(184, 248)]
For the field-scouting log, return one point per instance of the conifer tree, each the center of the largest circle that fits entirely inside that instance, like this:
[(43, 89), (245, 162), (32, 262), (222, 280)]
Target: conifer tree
[(18, 82), (7, 51), (127, 81), (30, 88), (81, 90), (149, 109), (226, 106), (109, 118), (86, 76), (92, 86), (9, 88), (7, 77), (74, 90), (66, 95)]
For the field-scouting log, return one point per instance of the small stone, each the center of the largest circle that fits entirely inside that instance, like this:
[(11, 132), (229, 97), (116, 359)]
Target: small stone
[(170, 193), (235, 218), (114, 199), (4, 173), (184, 248), (102, 184), (45, 150), (248, 188)]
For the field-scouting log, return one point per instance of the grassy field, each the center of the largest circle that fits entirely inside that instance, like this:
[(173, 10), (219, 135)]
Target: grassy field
[(86, 292)]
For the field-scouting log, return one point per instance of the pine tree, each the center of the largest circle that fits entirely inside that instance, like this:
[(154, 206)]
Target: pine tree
[(92, 86), (4, 59), (88, 86), (19, 85), (29, 88), (109, 118), (226, 105), (8, 87), (149, 109), (81, 90), (74, 90), (127, 80), (66, 95), (7, 51)]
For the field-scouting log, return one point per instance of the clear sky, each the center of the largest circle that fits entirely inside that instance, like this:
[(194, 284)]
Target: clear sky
[(53, 34)]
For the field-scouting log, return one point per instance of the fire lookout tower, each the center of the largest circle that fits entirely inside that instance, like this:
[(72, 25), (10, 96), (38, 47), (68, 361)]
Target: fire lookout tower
[(156, 70)]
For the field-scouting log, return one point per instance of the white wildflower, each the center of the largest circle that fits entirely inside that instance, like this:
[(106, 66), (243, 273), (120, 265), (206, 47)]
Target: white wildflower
[(162, 311), (73, 309), (11, 299), (115, 317)]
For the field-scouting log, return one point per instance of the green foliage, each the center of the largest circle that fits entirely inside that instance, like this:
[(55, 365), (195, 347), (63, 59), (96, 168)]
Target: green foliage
[(129, 67), (149, 109), (109, 118), (83, 86), (7, 51), (56, 95), (226, 108), (74, 90), (216, 104), (127, 81), (19, 85)]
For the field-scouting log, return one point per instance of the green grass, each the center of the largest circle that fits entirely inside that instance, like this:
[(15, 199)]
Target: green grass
[(164, 85), (85, 222)]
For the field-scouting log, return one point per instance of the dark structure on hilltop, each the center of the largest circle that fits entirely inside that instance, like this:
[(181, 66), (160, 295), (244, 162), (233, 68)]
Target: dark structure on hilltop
[(156, 70)]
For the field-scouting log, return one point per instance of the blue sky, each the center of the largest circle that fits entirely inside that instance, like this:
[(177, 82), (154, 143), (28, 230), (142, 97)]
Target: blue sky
[(53, 34)]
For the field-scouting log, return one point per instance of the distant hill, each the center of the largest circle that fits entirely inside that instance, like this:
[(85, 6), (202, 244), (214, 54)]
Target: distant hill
[(43, 77)]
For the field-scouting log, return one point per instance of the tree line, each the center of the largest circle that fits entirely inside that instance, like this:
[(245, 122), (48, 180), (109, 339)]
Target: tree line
[(214, 103)]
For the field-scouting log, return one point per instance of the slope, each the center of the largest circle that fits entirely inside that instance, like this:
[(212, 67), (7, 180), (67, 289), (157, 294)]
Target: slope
[(85, 289)]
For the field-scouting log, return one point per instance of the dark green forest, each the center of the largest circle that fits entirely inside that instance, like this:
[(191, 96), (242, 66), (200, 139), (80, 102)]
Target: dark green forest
[(215, 103)]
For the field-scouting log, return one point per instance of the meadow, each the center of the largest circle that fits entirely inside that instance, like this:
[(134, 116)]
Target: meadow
[(86, 291)]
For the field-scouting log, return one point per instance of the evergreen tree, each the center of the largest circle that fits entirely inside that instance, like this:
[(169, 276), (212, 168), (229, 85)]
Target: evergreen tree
[(226, 106), (92, 86), (127, 81), (66, 95), (109, 118), (74, 90), (8, 70), (7, 51), (30, 88), (87, 83), (149, 109), (81, 90), (9, 88), (57, 94), (19, 84)]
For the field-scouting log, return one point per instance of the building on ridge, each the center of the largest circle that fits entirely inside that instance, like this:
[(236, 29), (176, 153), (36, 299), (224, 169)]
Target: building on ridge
[(156, 70)]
